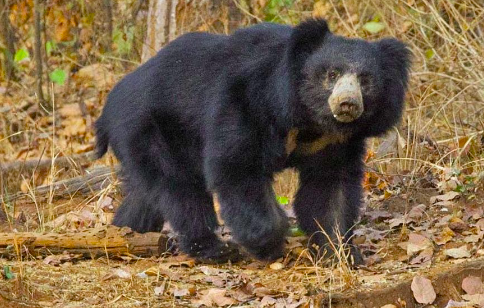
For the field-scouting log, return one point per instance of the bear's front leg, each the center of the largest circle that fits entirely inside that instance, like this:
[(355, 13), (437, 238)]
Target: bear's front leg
[(238, 160), (250, 210), (329, 197)]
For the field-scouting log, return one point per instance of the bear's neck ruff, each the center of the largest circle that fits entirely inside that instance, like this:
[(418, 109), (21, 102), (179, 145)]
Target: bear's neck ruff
[(312, 147)]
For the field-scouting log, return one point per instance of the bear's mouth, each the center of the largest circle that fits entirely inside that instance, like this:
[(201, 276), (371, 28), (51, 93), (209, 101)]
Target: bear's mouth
[(344, 117)]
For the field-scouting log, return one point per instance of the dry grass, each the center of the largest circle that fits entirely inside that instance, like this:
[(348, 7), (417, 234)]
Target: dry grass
[(443, 127), (442, 131)]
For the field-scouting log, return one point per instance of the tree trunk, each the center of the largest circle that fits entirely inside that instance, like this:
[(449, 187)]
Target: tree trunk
[(8, 38), (38, 52), (161, 26), (108, 8)]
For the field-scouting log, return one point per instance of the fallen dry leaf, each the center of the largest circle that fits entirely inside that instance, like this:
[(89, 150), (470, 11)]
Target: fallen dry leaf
[(243, 293), (423, 291), (70, 110), (444, 236), (267, 301), (397, 221), (392, 143), (73, 126), (210, 270), (472, 285), (443, 221), (473, 238), (261, 291), (480, 224), (475, 299), (56, 260), (97, 75), (372, 260), (215, 297), (181, 292), (457, 253), (417, 212), (445, 197), (454, 304), (445, 204), (423, 258), (159, 290), (474, 211), (186, 263), (117, 273), (417, 243), (106, 204), (378, 216), (156, 271), (216, 281)]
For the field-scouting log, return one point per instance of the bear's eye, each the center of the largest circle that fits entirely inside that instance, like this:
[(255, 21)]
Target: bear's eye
[(365, 80), (332, 75)]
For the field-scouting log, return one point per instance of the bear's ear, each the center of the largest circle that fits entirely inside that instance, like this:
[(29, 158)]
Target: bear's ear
[(395, 57), (307, 36)]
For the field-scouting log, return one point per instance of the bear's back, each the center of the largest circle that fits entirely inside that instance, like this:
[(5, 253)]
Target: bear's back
[(261, 38), (185, 76)]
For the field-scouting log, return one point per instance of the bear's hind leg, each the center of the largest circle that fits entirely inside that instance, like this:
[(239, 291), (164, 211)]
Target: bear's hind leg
[(189, 209), (163, 183)]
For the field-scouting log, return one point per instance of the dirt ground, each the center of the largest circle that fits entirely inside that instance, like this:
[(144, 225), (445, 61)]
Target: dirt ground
[(400, 235)]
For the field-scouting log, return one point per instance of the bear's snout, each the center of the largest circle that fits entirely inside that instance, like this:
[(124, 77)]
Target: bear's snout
[(346, 101)]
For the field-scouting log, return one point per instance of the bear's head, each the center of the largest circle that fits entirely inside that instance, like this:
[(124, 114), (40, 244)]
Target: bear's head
[(348, 85)]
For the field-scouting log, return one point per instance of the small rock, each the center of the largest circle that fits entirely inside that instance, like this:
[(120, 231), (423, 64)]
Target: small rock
[(276, 266)]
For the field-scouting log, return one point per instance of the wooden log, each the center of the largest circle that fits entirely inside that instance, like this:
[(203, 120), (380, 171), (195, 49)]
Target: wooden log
[(93, 180), (107, 240)]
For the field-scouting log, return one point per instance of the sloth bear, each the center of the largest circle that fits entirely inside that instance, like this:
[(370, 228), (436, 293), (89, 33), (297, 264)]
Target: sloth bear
[(223, 113)]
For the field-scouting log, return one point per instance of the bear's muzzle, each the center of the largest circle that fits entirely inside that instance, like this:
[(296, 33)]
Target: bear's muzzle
[(346, 101)]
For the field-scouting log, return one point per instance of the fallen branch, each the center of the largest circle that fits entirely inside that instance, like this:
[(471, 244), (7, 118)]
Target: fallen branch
[(59, 162), (11, 174), (107, 240), (94, 180)]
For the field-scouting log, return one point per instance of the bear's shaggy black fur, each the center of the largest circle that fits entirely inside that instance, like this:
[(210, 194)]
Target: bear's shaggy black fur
[(214, 113)]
